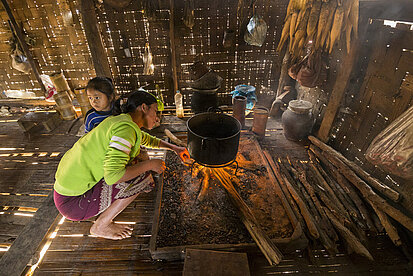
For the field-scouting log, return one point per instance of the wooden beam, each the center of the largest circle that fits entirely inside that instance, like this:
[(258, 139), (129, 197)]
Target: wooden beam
[(94, 40), (172, 42), (20, 36), (15, 260)]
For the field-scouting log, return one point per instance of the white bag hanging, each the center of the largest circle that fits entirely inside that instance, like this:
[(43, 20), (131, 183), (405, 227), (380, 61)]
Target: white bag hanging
[(19, 61), (148, 67)]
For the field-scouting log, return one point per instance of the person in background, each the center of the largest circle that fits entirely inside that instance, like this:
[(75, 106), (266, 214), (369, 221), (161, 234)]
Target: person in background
[(101, 174), (101, 94)]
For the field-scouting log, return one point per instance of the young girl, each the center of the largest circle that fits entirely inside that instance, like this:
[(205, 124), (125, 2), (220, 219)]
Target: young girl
[(99, 174), (101, 94)]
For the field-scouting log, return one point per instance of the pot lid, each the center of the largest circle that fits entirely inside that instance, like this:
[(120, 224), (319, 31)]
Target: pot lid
[(300, 106)]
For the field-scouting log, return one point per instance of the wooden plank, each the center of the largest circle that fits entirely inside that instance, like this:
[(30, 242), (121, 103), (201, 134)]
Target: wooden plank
[(15, 260), (218, 263)]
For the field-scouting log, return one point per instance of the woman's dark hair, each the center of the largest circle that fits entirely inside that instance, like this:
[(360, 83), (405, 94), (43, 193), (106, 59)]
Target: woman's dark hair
[(103, 85), (129, 102)]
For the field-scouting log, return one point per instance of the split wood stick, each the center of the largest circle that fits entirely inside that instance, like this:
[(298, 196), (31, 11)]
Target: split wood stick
[(352, 241), (342, 196), (387, 191), (303, 178), (308, 218), (370, 195), (267, 247), (388, 226), (276, 171), (320, 179), (174, 139), (324, 238), (204, 184), (347, 187), (349, 203)]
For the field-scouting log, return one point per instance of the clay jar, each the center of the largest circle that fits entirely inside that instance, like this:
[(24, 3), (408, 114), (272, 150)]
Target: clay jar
[(297, 120)]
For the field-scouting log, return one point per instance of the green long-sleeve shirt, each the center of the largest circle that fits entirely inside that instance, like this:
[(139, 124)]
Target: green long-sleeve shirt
[(102, 153)]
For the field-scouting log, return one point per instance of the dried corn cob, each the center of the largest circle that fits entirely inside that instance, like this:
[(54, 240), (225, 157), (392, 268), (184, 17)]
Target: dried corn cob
[(326, 30), (322, 21), (354, 16), (284, 33), (292, 28), (313, 19), (336, 28)]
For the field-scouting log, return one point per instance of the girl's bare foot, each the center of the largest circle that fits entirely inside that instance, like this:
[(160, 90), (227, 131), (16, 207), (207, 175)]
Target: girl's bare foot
[(111, 231)]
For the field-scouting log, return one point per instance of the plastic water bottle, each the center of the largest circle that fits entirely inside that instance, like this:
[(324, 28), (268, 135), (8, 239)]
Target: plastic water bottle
[(179, 105)]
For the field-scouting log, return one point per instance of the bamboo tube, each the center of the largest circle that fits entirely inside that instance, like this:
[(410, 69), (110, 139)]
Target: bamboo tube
[(350, 238), (267, 247), (387, 191)]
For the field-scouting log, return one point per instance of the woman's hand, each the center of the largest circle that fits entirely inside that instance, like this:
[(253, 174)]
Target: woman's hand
[(156, 165), (182, 153)]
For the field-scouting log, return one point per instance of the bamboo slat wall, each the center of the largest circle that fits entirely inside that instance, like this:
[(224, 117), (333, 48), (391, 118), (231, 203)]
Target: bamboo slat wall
[(62, 46), (58, 45), (242, 64), (379, 91)]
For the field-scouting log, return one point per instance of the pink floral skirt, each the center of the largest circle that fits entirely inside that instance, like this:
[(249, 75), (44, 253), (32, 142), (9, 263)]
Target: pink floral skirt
[(100, 197)]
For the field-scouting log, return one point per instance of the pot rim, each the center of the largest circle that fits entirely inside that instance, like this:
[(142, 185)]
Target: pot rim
[(210, 138)]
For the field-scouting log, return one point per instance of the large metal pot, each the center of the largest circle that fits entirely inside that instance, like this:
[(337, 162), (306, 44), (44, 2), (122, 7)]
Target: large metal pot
[(213, 138)]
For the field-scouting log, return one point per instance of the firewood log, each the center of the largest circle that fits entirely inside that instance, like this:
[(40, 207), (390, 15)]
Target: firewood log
[(330, 231), (390, 229), (350, 238), (362, 216), (370, 195), (330, 192), (308, 218), (387, 191), (267, 247), (174, 139)]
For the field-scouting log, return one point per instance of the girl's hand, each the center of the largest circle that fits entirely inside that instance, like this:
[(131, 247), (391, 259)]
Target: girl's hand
[(157, 165), (182, 153)]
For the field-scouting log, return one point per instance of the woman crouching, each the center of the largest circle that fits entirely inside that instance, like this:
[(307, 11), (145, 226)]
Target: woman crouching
[(100, 174)]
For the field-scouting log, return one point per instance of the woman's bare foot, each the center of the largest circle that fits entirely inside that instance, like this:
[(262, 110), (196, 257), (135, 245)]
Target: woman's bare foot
[(111, 231)]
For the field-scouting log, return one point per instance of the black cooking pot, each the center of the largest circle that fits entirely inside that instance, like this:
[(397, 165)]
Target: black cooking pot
[(202, 100), (213, 138)]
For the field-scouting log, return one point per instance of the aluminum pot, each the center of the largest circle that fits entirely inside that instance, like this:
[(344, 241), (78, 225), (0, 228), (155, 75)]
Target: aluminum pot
[(213, 138)]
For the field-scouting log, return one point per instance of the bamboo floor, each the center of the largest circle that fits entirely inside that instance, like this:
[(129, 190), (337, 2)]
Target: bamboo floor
[(27, 179)]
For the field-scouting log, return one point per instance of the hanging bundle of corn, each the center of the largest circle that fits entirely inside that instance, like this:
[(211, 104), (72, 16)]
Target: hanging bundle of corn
[(321, 22)]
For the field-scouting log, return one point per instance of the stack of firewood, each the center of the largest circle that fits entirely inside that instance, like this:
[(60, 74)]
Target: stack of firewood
[(333, 197)]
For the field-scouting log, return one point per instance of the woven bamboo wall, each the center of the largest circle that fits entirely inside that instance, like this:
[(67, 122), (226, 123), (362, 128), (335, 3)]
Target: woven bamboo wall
[(242, 64), (62, 46), (58, 45)]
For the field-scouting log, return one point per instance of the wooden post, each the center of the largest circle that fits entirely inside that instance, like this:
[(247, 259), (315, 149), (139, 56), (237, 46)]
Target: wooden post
[(172, 41), (94, 40), (337, 93), (19, 34)]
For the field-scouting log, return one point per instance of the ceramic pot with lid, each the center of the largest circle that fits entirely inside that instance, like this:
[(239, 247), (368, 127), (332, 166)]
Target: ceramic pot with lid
[(297, 120)]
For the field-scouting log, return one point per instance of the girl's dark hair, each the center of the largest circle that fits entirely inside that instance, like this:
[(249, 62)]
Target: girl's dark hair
[(129, 102), (103, 85)]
